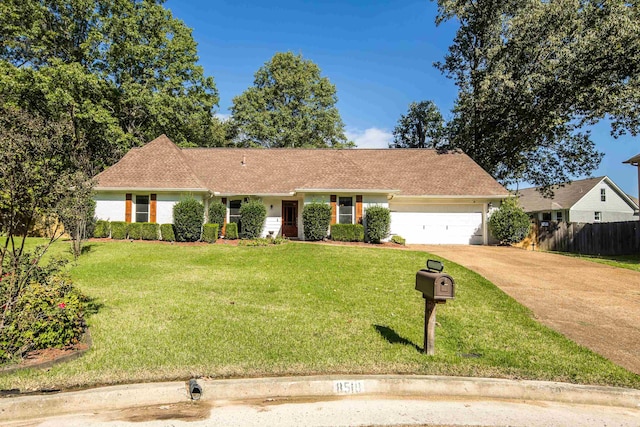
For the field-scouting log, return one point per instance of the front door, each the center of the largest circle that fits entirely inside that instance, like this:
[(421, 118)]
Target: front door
[(290, 218)]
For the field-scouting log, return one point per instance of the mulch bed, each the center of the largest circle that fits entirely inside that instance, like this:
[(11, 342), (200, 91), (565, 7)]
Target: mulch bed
[(44, 359)]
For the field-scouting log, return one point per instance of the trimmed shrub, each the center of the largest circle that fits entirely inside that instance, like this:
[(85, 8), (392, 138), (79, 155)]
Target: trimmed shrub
[(347, 232), (102, 229), (217, 215), (166, 232), (378, 221), (118, 230), (510, 223), (316, 218), (188, 217), (210, 233), (149, 231), (231, 231), (398, 240), (134, 230), (252, 216)]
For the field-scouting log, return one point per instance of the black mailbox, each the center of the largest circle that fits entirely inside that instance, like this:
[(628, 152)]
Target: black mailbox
[(436, 288), (434, 284)]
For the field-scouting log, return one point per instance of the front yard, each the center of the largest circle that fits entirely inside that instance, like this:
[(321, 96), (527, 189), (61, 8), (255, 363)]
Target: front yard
[(630, 262), (170, 312)]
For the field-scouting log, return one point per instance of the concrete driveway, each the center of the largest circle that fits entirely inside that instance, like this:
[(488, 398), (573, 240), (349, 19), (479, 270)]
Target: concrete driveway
[(595, 305)]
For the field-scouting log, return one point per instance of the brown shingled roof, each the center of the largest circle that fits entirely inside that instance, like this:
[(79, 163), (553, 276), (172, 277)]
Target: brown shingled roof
[(158, 164), (408, 172), (563, 197)]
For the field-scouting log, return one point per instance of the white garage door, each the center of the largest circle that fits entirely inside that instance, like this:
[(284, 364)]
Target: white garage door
[(438, 224)]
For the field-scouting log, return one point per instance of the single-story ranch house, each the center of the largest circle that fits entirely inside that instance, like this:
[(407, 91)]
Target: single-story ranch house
[(434, 197)]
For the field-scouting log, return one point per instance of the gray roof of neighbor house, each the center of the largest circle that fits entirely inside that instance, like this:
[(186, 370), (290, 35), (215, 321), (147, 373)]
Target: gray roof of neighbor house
[(634, 160), (564, 197), (161, 165)]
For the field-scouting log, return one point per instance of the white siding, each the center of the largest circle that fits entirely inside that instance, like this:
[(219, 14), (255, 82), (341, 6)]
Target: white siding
[(614, 209), (273, 222), (110, 206), (374, 201), (317, 198)]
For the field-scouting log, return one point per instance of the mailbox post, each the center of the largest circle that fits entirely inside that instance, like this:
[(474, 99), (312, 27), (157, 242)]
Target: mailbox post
[(436, 288)]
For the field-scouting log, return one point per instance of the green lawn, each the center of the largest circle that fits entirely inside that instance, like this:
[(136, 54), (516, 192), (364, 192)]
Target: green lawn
[(170, 312), (631, 262)]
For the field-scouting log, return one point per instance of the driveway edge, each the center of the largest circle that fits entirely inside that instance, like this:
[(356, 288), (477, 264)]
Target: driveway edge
[(136, 395)]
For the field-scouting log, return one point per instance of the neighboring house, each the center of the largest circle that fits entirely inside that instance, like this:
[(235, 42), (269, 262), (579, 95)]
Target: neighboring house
[(433, 197), (587, 201), (635, 161)]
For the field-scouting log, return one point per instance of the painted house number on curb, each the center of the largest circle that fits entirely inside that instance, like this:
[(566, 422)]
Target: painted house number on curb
[(348, 387)]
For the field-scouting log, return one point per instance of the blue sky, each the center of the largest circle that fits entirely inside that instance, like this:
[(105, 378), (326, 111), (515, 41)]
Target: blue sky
[(378, 54)]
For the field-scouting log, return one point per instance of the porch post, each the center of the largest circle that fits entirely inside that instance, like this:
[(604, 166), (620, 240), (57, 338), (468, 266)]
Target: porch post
[(485, 227)]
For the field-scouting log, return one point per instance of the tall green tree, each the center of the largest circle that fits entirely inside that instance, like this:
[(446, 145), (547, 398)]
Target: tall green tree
[(421, 127), (289, 105), (38, 176), (122, 71), (533, 74)]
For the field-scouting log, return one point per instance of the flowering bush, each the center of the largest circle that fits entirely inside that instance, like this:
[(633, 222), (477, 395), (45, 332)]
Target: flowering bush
[(39, 308)]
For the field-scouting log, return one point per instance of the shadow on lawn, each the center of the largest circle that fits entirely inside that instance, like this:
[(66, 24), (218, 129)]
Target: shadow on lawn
[(91, 305), (392, 337)]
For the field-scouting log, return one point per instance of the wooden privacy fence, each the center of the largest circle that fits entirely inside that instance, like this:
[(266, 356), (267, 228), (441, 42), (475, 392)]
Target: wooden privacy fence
[(603, 238)]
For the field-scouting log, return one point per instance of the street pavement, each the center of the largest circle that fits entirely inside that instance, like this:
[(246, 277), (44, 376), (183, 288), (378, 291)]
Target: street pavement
[(386, 400)]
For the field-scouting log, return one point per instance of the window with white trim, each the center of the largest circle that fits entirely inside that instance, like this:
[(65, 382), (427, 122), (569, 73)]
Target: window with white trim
[(345, 210), (559, 216), (142, 208), (597, 216), (603, 194), (234, 212)]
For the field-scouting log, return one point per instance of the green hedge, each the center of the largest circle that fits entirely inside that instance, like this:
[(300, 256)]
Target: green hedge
[(231, 231), (378, 221), (149, 231), (510, 223), (252, 216), (134, 230), (217, 215), (166, 232), (102, 229), (210, 233), (188, 216), (316, 218), (118, 230), (347, 232)]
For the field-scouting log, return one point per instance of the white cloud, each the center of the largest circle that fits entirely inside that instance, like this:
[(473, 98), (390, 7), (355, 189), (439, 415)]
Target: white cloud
[(370, 138), (223, 117)]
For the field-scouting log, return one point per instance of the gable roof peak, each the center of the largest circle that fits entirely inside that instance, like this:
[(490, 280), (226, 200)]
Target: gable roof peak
[(158, 164)]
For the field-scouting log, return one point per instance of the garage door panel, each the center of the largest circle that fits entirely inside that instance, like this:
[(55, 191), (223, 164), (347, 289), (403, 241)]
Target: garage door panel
[(462, 226)]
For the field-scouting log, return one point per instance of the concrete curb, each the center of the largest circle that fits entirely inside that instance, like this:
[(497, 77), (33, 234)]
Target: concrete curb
[(137, 395)]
